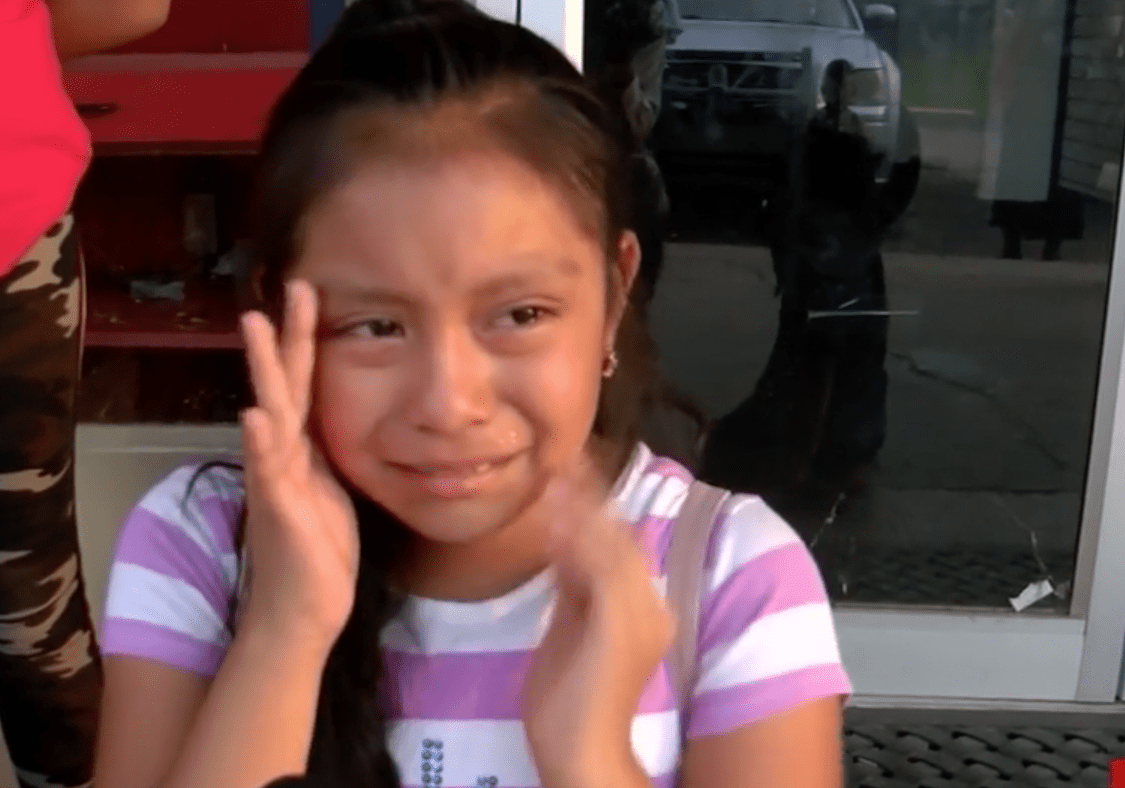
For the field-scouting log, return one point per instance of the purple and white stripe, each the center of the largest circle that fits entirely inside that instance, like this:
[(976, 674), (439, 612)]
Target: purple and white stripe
[(766, 637)]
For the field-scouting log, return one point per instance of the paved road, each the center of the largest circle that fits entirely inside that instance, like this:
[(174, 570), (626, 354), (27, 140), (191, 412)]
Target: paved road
[(945, 218)]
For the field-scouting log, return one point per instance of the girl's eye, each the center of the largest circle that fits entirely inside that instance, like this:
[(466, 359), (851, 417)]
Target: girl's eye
[(526, 315), (379, 328)]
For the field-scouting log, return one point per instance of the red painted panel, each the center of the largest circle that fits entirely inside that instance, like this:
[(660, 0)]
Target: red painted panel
[(131, 223), (226, 26), (207, 318), (158, 99)]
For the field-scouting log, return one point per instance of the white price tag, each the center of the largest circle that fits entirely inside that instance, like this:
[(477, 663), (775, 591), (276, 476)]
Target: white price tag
[(1032, 594)]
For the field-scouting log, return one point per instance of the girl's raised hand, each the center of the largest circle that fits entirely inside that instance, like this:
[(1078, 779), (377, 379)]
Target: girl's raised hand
[(609, 632), (301, 527)]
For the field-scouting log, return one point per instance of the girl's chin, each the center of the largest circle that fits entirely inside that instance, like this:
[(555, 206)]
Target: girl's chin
[(463, 519), (457, 524)]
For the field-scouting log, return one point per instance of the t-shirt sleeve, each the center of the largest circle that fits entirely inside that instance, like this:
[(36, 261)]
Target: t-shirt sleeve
[(767, 642), (174, 572), (44, 146)]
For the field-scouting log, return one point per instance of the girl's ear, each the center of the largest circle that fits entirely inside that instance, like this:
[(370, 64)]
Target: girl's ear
[(623, 272)]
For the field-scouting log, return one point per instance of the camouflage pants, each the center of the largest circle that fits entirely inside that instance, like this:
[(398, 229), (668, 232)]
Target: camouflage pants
[(50, 671)]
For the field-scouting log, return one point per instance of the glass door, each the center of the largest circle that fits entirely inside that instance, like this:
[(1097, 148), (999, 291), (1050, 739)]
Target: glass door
[(891, 232)]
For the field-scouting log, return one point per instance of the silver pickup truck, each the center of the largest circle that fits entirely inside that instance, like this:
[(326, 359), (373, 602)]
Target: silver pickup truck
[(741, 76)]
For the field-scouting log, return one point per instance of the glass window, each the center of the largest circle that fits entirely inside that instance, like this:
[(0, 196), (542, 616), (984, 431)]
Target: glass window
[(887, 239), (828, 13)]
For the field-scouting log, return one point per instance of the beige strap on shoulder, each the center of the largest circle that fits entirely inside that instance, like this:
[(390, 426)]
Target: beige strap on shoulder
[(687, 553), (241, 588)]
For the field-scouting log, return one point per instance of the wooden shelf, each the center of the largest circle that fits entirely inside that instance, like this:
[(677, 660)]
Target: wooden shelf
[(179, 103), (207, 318)]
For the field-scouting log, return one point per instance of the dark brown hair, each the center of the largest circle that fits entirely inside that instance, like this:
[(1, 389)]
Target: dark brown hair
[(393, 64)]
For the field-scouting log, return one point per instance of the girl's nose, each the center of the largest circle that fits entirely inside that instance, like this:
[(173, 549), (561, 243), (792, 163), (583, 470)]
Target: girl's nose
[(454, 389)]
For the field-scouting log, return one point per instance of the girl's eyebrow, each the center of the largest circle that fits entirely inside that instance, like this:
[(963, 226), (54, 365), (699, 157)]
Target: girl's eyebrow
[(543, 270), (354, 292)]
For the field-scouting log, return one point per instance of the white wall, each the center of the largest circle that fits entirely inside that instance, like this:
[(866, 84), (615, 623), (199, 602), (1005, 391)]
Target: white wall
[(115, 466)]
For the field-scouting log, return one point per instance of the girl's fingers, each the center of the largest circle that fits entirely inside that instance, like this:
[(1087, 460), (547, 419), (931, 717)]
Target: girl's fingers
[(298, 343), (254, 435), (267, 460), (271, 386), (257, 444), (599, 563), (588, 540)]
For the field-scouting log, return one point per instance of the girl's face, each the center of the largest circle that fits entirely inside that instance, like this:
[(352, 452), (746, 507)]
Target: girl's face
[(464, 323)]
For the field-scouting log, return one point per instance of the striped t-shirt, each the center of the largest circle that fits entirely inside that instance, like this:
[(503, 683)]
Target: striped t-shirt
[(766, 639)]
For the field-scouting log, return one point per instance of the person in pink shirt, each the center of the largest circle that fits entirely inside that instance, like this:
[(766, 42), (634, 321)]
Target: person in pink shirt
[(50, 670)]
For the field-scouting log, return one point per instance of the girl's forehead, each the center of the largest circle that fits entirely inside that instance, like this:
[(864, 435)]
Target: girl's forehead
[(493, 186), (458, 220)]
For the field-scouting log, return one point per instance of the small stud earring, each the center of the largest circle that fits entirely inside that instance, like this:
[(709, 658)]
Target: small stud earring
[(609, 365)]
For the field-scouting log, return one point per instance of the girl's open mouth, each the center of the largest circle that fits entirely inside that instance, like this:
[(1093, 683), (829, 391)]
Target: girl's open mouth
[(457, 479)]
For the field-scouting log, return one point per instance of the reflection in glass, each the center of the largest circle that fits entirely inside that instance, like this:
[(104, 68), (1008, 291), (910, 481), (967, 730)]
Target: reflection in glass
[(829, 13), (888, 232)]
